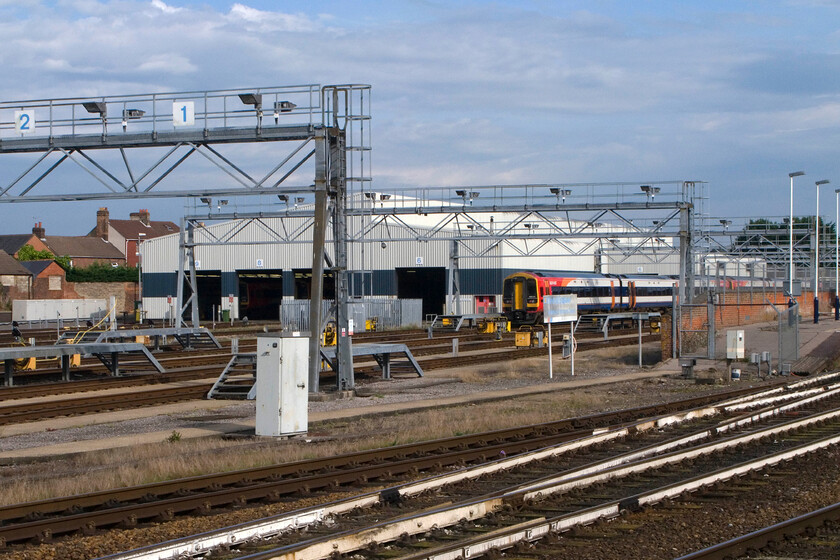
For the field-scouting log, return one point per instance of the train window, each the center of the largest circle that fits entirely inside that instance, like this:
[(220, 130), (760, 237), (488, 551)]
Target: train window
[(531, 290)]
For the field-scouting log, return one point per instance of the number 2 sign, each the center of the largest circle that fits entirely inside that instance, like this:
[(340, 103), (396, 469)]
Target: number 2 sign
[(25, 121), (183, 113)]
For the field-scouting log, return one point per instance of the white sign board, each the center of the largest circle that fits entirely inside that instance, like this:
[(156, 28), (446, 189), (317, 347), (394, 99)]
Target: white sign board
[(560, 309), (183, 113), (25, 121)]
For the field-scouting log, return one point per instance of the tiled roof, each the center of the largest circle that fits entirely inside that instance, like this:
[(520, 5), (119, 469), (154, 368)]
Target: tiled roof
[(131, 228), (91, 247), (11, 244), (9, 265), (36, 267)]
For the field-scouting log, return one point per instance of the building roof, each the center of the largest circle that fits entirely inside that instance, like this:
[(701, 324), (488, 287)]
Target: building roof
[(36, 267), (90, 247), (11, 244), (131, 229), (10, 266)]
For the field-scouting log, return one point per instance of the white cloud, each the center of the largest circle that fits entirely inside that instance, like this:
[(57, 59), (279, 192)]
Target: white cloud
[(468, 95), (169, 64), (265, 22), (163, 7)]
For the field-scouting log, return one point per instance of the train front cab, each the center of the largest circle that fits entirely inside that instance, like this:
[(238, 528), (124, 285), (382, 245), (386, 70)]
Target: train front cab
[(520, 299)]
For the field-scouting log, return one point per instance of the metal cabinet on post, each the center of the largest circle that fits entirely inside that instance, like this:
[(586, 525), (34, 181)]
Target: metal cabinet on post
[(282, 397)]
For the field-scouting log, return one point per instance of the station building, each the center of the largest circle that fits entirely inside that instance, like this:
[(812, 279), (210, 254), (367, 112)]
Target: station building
[(255, 265)]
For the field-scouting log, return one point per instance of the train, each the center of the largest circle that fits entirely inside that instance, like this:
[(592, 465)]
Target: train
[(523, 292)]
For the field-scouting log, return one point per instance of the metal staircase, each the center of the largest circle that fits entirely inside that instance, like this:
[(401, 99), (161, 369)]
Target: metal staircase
[(238, 380)]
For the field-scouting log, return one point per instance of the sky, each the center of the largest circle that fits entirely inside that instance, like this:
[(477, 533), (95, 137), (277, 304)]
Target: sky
[(734, 93)]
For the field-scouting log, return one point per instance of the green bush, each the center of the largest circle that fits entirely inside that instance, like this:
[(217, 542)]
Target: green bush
[(99, 272)]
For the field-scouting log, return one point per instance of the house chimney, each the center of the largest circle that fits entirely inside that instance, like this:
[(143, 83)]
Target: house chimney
[(102, 223), (38, 231), (142, 216)]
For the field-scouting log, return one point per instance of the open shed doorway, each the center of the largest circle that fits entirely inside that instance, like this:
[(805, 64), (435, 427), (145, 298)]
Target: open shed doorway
[(209, 286), (260, 294), (428, 284)]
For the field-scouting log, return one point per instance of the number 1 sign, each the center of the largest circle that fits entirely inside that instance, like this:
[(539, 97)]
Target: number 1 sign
[(183, 113), (25, 121)]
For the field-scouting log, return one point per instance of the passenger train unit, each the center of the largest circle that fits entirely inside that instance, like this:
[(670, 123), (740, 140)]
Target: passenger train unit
[(523, 292)]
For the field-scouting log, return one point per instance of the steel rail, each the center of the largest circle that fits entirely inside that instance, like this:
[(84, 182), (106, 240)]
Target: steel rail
[(270, 479), (264, 528), (758, 540), (519, 498)]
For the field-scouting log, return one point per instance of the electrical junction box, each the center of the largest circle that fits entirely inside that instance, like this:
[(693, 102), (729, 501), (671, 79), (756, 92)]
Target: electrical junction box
[(282, 398), (734, 345)]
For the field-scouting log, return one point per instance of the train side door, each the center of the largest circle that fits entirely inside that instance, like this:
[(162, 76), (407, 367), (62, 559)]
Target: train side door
[(612, 294), (631, 294)]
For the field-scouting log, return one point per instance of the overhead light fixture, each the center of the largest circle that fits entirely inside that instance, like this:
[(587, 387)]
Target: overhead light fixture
[(131, 114), (254, 99), (299, 200), (370, 195), (96, 107), (220, 204), (467, 195), (206, 200), (282, 107), (283, 198), (384, 196)]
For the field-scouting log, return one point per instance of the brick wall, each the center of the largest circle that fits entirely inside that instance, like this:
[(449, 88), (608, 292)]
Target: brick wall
[(740, 308), (125, 293)]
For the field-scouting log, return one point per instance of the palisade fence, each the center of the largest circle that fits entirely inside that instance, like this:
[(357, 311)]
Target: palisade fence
[(700, 337), (788, 319), (389, 313)]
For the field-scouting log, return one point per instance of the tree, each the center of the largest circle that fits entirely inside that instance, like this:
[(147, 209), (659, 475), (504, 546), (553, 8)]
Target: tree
[(29, 253)]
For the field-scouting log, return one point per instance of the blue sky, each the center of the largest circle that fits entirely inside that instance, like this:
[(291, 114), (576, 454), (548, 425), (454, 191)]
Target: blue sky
[(734, 93)]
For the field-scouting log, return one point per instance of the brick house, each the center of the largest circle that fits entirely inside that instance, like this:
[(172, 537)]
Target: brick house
[(11, 244), (127, 235), (49, 280), (82, 250), (15, 279)]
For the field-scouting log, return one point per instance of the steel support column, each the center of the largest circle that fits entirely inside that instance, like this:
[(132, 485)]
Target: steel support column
[(338, 189), (453, 284), (319, 230)]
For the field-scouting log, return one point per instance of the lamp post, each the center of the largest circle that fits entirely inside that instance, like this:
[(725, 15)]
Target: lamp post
[(836, 255), (790, 239), (817, 255)]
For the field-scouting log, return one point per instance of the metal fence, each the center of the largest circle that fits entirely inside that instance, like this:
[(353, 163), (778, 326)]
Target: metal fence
[(389, 313), (696, 330), (699, 336), (788, 320)]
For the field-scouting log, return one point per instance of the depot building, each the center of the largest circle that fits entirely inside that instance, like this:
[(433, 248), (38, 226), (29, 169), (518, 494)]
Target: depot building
[(251, 266)]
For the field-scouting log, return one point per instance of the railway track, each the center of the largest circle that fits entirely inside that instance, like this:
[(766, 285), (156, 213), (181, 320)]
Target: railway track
[(812, 535), (43, 520), (91, 370), (15, 409), (526, 501)]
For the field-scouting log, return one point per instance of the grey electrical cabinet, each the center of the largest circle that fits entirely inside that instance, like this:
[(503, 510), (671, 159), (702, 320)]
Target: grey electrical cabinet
[(734, 345), (282, 397)]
